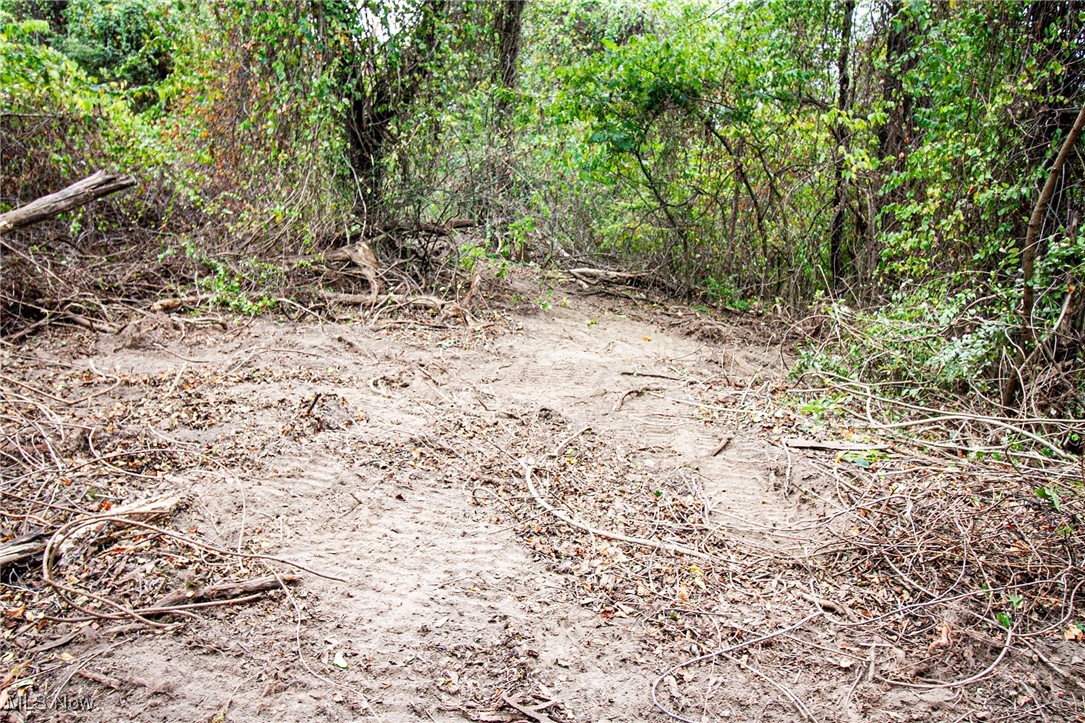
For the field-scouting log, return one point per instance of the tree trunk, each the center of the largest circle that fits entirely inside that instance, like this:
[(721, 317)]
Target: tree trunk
[(897, 131), (76, 195), (508, 51), (1035, 222), (378, 101), (1028, 256), (836, 226), (496, 174)]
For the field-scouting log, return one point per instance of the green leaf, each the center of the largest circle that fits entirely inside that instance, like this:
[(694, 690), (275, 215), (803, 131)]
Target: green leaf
[(1050, 495)]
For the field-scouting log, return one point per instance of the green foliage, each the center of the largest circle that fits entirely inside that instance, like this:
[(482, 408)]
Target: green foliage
[(704, 143), (470, 256), (126, 41), (1051, 496), (65, 123), (964, 189), (917, 342), (237, 289), (725, 294)]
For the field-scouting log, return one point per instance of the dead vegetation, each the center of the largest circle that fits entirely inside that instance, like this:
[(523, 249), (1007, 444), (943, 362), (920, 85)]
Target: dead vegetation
[(923, 552)]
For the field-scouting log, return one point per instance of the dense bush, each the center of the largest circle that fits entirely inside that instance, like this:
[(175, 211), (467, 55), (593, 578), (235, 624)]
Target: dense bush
[(755, 155)]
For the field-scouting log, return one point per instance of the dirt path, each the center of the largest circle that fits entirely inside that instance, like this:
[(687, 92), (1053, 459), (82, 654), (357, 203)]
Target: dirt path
[(393, 457), (539, 518), (442, 608)]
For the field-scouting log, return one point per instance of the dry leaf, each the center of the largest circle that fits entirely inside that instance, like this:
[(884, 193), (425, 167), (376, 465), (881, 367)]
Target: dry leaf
[(943, 636), (1073, 632)]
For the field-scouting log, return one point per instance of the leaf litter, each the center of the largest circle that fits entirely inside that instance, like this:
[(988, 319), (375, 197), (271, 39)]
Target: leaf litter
[(326, 522)]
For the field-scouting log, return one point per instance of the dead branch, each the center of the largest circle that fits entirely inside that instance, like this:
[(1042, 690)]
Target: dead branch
[(174, 304), (91, 324), (149, 509), (76, 195), (604, 276), (534, 712), (443, 307), (226, 591), (21, 548), (363, 257), (633, 392), (1012, 383), (796, 443), (724, 444)]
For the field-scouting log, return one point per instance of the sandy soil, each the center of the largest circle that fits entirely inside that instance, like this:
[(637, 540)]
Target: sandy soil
[(391, 456)]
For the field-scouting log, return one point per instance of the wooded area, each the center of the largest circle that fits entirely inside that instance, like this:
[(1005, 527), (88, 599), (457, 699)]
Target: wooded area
[(890, 191), (897, 158)]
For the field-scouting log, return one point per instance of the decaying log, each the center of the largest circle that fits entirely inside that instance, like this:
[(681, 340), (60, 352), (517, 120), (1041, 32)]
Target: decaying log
[(174, 304), (76, 195), (596, 276), (32, 545), (358, 252), (148, 509)]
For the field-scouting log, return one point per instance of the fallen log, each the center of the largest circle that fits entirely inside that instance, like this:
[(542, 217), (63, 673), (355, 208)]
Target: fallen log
[(22, 548), (596, 276), (76, 195)]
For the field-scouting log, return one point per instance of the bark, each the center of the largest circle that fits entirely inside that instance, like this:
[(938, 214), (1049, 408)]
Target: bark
[(1028, 259), (898, 130), (507, 23), (379, 101), (1035, 222), (836, 226), (76, 195), (508, 51), (222, 591)]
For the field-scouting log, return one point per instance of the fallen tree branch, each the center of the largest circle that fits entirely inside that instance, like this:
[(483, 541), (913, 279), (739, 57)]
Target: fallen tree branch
[(444, 308), (363, 257), (637, 391), (535, 712), (223, 592), (76, 195), (1027, 332), (21, 548), (796, 443), (77, 598), (597, 276), (174, 304), (91, 324)]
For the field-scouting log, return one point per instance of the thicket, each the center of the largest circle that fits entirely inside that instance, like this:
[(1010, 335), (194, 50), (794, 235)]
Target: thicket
[(877, 163)]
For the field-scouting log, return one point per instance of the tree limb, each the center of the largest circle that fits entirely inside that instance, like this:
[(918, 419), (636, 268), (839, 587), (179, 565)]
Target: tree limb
[(76, 195)]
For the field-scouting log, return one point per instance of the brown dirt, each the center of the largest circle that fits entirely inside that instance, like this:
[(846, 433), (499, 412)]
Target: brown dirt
[(391, 456)]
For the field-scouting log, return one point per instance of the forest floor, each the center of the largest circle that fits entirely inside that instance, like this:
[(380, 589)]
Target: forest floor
[(539, 517)]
